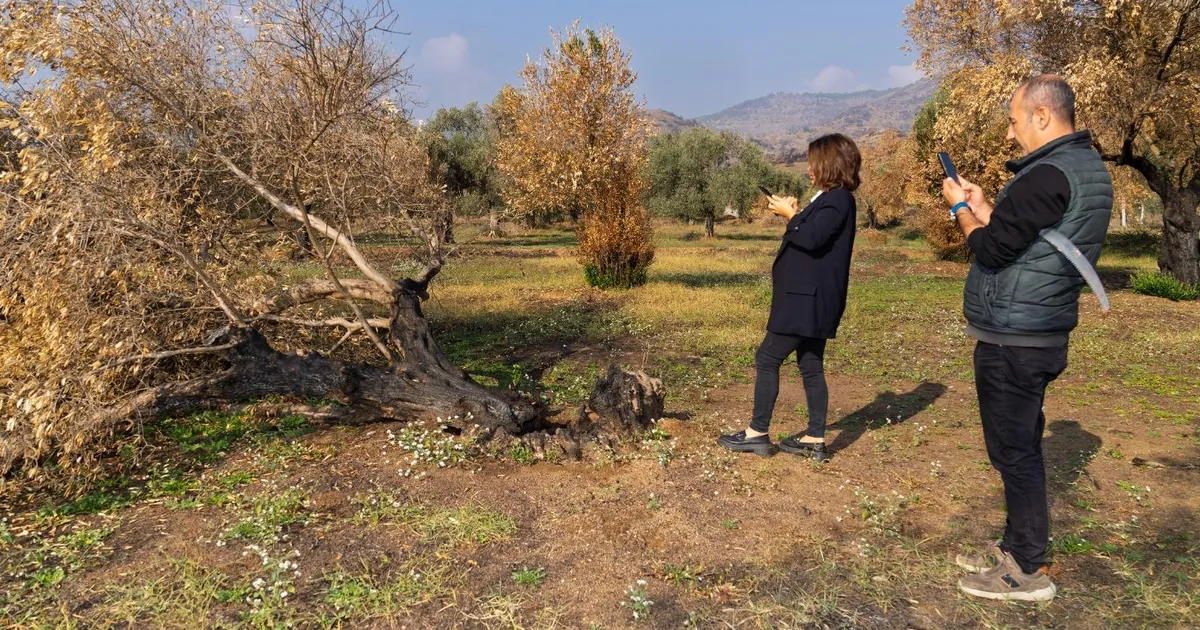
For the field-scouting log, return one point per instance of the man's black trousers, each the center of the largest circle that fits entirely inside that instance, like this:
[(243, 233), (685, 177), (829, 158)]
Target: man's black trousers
[(1011, 383)]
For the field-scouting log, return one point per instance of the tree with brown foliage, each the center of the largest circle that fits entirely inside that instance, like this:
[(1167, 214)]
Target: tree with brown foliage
[(573, 138), (1135, 68), (143, 273), (889, 174)]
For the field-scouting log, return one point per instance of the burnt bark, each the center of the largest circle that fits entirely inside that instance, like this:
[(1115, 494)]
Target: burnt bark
[(709, 225), (622, 402), (422, 384)]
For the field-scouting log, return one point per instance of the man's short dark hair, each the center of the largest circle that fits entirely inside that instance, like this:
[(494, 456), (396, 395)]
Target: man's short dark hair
[(1052, 92)]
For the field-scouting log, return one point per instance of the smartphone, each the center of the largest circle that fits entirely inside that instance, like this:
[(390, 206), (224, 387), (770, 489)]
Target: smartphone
[(948, 166), (765, 191)]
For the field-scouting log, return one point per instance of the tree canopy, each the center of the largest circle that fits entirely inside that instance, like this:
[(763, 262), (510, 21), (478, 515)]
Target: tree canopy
[(573, 137), (1135, 68), (698, 173)]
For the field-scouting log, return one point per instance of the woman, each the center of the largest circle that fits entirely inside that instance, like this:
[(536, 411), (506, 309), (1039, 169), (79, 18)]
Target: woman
[(809, 281)]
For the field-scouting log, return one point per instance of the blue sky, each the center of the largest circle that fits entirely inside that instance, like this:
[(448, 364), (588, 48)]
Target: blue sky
[(694, 58)]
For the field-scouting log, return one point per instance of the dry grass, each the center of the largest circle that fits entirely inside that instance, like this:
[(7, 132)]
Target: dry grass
[(725, 541)]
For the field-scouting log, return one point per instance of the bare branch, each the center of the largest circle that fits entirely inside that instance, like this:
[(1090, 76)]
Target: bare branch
[(298, 214), (311, 222), (317, 290), (358, 312), (327, 323), (209, 283), (166, 354)]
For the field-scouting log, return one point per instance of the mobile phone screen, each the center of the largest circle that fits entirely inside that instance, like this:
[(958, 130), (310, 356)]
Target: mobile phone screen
[(948, 166)]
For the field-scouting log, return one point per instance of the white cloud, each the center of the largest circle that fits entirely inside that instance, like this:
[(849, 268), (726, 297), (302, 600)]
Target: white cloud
[(446, 54), (899, 76), (445, 74), (835, 79)]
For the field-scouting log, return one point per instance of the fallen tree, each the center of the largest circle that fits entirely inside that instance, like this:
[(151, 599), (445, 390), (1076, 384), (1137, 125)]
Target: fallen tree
[(149, 170)]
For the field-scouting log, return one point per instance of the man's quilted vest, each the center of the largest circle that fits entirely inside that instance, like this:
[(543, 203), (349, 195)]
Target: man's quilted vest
[(1038, 293)]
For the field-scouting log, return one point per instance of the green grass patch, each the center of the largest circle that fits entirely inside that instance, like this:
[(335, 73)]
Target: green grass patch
[(366, 597), (443, 526), (269, 514), (1071, 544), (531, 578), (1159, 284)]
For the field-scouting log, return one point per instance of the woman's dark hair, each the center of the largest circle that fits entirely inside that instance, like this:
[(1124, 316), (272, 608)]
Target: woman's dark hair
[(835, 162)]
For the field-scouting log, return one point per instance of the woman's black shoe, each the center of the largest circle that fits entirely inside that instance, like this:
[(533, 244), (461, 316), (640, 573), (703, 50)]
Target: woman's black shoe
[(815, 450), (740, 443)]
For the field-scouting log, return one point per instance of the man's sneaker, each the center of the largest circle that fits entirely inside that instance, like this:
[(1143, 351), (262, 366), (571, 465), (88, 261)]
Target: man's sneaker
[(815, 450), (740, 443), (1007, 581), (978, 563)]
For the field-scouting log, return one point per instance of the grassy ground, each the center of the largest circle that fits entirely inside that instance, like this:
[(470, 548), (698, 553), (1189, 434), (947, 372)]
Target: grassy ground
[(245, 520)]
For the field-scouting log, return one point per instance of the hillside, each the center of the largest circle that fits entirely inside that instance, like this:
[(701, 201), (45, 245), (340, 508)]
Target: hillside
[(784, 122), (668, 122)]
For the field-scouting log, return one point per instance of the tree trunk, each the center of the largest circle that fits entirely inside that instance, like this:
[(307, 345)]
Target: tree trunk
[(623, 402), (872, 220), (423, 384), (1179, 254), (493, 223), (303, 244), (1124, 220), (709, 224)]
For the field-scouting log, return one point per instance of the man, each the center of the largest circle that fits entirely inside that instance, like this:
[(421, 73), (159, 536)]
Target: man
[(1021, 302)]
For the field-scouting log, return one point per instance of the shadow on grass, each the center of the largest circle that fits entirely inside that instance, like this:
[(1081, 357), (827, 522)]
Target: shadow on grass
[(887, 408), (1133, 243), (1069, 449), (379, 239), (1115, 278), (558, 239), (761, 238), (708, 279), (507, 346)]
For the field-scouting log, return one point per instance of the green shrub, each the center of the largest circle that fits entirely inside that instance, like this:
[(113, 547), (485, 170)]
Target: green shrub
[(1162, 285)]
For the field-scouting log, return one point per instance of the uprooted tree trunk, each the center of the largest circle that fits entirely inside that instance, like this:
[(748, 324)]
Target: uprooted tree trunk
[(622, 403), (420, 385)]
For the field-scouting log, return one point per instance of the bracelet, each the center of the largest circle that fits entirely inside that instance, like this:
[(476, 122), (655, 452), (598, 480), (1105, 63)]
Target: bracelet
[(958, 206)]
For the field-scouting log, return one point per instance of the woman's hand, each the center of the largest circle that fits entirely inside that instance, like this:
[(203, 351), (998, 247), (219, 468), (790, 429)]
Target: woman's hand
[(786, 207)]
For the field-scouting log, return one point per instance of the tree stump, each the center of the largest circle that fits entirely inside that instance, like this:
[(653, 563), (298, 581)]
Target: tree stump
[(622, 402)]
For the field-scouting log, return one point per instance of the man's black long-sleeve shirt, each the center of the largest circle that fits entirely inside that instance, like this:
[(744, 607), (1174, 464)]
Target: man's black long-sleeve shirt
[(1034, 202)]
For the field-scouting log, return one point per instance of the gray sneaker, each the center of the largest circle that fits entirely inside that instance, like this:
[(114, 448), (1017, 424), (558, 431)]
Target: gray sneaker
[(980, 562), (1007, 581)]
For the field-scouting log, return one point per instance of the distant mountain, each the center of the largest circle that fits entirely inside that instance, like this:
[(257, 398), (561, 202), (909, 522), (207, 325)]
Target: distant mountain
[(668, 122), (782, 113), (783, 123)]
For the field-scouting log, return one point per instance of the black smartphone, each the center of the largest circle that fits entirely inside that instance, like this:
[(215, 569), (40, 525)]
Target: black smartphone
[(765, 191), (948, 166)]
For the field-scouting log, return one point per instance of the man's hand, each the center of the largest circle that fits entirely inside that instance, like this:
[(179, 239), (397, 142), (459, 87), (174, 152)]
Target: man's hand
[(963, 190), (786, 207), (952, 192), (968, 221)]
